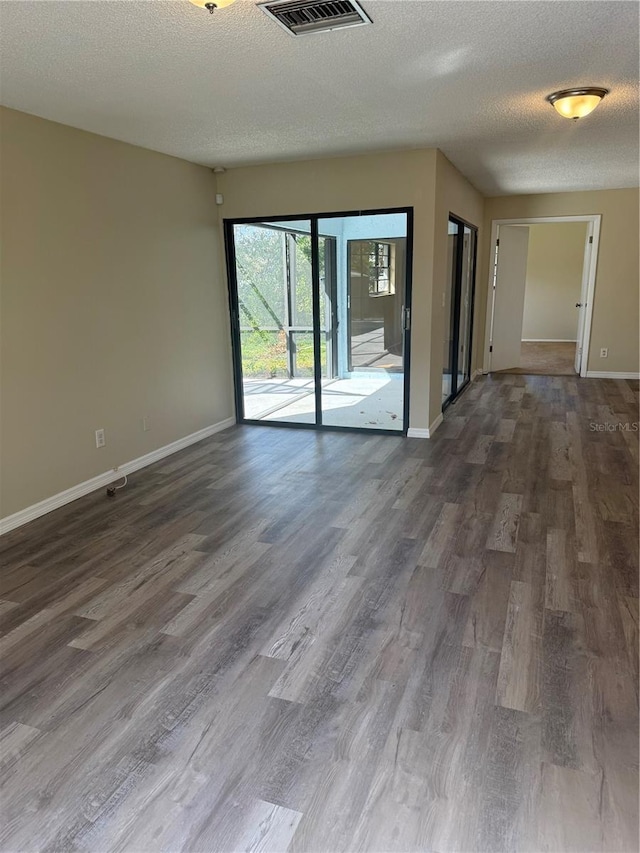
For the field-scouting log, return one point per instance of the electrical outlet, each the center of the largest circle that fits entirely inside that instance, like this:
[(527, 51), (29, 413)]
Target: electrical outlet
[(146, 423), (604, 352), (100, 439)]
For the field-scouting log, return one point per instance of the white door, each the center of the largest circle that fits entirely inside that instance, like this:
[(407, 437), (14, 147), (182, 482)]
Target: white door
[(582, 305), (508, 297)]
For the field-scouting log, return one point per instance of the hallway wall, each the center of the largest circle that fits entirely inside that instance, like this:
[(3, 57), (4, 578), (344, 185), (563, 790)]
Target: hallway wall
[(555, 262)]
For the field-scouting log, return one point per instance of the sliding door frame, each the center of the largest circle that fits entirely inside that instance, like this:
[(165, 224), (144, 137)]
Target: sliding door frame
[(456, 299), (234, 311)]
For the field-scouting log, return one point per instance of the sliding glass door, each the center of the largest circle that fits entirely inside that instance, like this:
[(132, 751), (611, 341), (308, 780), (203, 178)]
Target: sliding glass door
[(320, 317), (274, 319), (458, 305), (366, 389)]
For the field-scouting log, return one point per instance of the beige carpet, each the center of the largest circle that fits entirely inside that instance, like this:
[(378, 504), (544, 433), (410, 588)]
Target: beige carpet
[(546, 358)]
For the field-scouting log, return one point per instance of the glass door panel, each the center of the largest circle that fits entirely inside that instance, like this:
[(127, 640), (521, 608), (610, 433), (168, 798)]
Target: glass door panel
[(449, 318), (466, 297), (458, 308), (363, 296), (275, 320)]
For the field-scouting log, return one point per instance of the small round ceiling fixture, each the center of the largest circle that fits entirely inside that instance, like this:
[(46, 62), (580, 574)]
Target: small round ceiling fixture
[(575, 103), (207, 4)]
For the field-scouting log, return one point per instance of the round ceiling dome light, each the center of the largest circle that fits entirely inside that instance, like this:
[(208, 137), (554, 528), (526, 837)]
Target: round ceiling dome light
[(211, 6), (576, 103)]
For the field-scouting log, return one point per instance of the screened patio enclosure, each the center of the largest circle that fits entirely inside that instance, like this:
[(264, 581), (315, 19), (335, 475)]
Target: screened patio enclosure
[(320, 318)]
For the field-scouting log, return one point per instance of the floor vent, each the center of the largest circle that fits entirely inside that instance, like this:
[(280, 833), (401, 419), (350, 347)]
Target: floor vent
[(300, 17)]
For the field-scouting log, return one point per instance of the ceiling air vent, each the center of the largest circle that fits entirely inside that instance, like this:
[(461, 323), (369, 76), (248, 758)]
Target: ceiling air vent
[(300, 17)]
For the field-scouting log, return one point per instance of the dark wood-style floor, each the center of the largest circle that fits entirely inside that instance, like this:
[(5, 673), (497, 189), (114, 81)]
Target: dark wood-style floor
[(285, 640)]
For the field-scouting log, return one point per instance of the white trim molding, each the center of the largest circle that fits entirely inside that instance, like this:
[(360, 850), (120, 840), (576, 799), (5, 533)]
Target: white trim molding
[(590, 264), (549, 341), (607, 374), (30, 513), (416, 432)]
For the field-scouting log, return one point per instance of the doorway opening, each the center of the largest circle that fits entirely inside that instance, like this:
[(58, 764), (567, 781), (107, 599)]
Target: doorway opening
[(320, 319), (458, 299), (541, 292)]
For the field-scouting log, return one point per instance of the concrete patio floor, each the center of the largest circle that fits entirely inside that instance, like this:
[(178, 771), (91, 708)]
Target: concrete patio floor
[(366, 401)]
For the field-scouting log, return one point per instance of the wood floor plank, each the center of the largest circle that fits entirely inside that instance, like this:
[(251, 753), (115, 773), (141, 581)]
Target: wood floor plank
[(504, 532), (489, 607), (5, 607), (317, 603), (615, 744), (480, 450), (568, 723), (521, 658), (630, 619), (559, 463), (511, 780), (14, 739), (442, 536), (267, 827), (506, 430), (559, 592), (305, 664), (216, 574), (570, 801)]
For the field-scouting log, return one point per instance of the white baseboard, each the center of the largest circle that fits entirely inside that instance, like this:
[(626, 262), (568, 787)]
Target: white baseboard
[(416, 432), (549, 341), (475, 374), (81, 489), (606, 374)]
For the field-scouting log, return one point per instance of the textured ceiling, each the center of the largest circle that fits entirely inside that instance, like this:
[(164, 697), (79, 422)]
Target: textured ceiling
[(467, 77)]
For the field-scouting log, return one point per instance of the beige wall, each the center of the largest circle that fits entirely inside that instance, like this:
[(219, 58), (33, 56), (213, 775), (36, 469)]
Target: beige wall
[(366, 182), (454, 195), (113, 305), (555, 262), (615, 310)]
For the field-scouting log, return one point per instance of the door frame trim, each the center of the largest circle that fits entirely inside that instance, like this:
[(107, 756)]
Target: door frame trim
[(232, 285), (588, 278)]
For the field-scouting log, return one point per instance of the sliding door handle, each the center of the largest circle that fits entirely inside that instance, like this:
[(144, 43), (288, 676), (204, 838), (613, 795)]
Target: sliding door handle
[(406, 318)]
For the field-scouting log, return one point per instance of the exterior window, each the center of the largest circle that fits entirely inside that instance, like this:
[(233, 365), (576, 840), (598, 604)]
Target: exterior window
[(375, 261)]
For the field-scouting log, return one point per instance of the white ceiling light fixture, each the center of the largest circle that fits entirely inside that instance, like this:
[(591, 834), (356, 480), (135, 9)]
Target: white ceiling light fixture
[(210, 5), (577, 103)]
